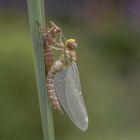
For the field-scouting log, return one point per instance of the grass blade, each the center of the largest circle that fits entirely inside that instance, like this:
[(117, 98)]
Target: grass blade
[(37, 15)]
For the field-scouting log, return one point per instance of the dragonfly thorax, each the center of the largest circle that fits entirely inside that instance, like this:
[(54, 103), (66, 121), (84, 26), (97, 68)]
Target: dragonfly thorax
[(68, 56)]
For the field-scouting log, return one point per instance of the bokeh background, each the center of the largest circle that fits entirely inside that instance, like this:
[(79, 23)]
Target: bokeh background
[(108, 33)]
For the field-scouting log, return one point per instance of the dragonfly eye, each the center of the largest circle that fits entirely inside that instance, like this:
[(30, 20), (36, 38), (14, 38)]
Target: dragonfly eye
[(71, 43)]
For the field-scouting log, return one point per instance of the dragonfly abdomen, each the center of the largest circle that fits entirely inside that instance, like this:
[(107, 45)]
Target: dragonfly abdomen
[(50, 84), (57, 66)]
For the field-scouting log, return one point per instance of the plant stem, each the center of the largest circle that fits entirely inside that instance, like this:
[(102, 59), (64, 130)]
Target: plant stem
[(37, 21)]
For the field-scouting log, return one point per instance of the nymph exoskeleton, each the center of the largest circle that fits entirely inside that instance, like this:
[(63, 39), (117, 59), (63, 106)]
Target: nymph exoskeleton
[(49, 34)]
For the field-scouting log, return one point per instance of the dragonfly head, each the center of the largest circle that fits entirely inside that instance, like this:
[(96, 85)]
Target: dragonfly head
[(71, 43)]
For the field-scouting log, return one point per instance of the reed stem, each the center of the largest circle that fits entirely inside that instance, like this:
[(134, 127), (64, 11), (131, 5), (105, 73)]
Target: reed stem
[(37, 21)]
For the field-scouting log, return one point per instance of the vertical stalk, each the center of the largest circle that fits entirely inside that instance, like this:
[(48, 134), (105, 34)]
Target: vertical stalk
[(37, 21)]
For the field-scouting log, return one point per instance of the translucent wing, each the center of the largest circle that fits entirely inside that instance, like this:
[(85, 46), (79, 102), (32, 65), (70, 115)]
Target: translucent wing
[(68, 90)]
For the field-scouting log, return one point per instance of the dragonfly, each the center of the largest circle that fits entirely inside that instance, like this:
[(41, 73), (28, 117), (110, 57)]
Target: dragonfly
[(63, 82)]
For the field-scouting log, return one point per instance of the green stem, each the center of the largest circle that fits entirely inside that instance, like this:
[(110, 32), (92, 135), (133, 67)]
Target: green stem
[(37, 21)]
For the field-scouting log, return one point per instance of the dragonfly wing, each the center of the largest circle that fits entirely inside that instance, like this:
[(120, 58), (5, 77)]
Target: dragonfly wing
[(68, 90)]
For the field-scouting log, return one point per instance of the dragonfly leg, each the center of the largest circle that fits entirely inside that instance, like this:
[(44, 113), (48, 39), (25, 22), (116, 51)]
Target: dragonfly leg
[(61, 44), (58, 49)]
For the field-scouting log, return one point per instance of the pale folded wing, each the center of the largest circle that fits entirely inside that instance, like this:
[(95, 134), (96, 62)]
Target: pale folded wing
[(68, 90)]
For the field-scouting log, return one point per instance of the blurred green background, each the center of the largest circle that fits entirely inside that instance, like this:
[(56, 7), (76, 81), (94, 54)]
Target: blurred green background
[(108, 58)]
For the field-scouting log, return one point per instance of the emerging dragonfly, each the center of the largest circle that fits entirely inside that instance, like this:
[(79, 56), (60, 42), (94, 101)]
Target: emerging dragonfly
[(63, 83)]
